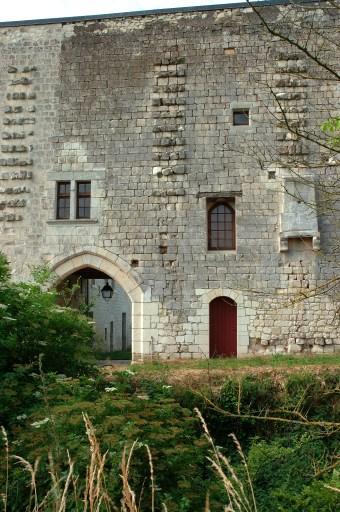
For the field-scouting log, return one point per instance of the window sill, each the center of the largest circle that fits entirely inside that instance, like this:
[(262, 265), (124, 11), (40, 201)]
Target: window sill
[(72, 221), (221, 251), (249, 128)]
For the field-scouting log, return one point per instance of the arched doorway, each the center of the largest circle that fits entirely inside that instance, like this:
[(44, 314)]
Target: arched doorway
[(102, 299), (116, 269), (223, 327)]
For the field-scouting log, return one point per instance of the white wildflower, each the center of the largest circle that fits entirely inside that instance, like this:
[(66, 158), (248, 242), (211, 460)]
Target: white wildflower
[(22, 417), (38, 424), (110, 389)]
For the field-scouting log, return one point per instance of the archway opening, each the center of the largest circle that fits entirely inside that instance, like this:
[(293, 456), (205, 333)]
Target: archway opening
[(223, 327), (99, 296)]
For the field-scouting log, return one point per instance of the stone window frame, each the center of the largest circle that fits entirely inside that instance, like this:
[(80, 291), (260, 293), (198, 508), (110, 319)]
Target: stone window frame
[(204, 198), (74, 201), (97, 179), (242, 105)]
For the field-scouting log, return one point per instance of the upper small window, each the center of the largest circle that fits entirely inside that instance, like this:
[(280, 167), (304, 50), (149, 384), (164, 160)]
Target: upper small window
[(221, 225), (241, 117), (83, 200), (63, 199)]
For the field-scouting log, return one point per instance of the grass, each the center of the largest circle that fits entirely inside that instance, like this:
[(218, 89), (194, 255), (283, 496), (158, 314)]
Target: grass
[(277, 361)]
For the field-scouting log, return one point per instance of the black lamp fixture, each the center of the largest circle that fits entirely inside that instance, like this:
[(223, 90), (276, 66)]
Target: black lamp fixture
[(107, 291)]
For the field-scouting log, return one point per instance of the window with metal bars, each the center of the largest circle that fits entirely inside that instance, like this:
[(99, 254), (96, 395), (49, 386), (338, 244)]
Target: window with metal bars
[(83, 210), (63, 199), (221, 225)]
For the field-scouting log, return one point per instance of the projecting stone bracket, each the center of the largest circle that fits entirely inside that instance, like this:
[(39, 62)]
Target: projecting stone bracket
[(19, 121), (173, 73), (284, 238), (10, 217), (12, 110), (169, 88), (16, 175), (289, 96), (169, 141), (292, 66), (167, 102), (171, 60), (21, 81), (21, 96), (14, 149), (15, 161), (288, 82), (160, 128), (169, 155), (293, 148), (167, 171)]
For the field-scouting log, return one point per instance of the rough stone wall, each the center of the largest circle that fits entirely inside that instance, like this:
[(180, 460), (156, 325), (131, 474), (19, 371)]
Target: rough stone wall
[(142, 107)]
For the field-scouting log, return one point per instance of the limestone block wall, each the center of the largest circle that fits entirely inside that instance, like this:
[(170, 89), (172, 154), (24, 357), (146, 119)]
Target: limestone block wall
[(142, 106)]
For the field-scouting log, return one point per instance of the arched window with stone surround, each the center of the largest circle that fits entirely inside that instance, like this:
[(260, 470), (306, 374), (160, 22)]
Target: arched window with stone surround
[(221, 225)]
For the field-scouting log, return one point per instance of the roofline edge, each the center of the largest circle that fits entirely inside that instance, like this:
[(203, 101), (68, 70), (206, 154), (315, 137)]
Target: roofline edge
[(170, 10)]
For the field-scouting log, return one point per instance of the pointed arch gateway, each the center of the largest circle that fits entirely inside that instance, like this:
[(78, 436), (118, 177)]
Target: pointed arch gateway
[(118, 270), (222, 327)]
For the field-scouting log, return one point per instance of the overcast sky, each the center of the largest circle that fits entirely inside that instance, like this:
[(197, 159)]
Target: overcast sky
[(37, 9)]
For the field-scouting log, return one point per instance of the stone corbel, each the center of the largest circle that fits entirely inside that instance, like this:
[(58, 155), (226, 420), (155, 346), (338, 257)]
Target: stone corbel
[(316, 242), (283, 243)]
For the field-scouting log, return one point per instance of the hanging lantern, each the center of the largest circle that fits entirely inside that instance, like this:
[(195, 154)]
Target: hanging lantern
[(107, 291)]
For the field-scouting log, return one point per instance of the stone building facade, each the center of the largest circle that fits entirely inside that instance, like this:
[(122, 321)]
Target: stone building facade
[(168, 116)]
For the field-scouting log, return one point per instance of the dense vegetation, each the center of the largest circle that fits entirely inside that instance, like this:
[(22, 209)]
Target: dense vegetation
[(33, 326), (56, 409)]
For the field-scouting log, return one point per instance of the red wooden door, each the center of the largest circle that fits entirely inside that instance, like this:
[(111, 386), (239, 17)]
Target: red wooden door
[(223, 327)]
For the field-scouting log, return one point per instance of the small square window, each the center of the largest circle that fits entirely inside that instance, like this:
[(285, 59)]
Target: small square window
[(241, 117)]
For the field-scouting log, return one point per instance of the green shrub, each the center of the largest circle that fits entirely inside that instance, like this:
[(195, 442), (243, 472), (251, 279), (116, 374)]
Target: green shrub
[(172, 432), (289, 465), (32, 325), (283, 475), (4, 269)]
